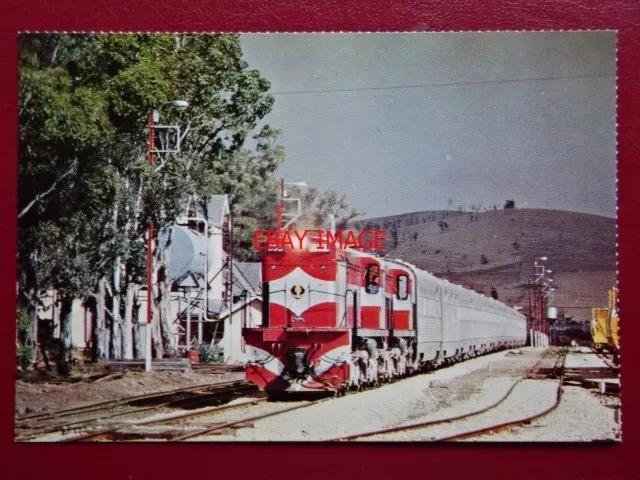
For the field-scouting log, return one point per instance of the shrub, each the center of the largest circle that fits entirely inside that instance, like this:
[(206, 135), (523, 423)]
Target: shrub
[(24, 320), (24, 356), (208, 354)]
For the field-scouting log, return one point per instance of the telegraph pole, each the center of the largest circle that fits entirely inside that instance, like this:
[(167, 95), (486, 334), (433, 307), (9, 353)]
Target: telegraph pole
[(153, 117), (151, 158)]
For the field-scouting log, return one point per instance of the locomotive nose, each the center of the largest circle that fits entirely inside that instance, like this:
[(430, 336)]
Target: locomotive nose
[(297, 361)]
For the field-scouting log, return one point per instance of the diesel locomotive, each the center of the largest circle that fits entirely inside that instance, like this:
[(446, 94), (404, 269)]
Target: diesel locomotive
[(338, 319)]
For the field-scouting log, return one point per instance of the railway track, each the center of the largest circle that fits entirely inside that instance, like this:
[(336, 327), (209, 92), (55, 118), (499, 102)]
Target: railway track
[(189, 427), (610, 362), (556, 371), (605, 377), (139, 431), (33, 426), (115, 420)]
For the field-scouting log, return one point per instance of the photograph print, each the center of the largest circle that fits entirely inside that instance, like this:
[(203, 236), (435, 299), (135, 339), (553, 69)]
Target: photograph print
[(395, 237)]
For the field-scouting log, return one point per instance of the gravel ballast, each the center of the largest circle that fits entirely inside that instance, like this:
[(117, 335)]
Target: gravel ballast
[(511, 385), (405, 401)]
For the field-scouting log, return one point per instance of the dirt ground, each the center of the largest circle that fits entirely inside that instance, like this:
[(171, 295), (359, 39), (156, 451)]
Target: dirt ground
[(39, 392)]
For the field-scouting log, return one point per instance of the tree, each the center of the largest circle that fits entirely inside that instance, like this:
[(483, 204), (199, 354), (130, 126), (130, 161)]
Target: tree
[(509, 205), (86, 192), (248, 177), (318, 208)]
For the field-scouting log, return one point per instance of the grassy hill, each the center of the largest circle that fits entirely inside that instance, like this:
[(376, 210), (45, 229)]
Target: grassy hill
[(496, 248)]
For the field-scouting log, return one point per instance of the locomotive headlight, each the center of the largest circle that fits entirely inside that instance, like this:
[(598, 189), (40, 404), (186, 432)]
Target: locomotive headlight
[(323, 267)]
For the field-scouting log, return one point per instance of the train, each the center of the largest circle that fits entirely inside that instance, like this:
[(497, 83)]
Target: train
[(604, 326), (337, 319)]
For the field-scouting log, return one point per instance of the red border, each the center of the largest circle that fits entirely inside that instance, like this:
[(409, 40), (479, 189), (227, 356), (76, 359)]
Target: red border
[(306, 461)]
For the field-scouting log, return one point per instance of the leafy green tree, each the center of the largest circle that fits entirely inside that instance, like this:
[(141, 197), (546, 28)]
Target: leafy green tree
[(86, 191)]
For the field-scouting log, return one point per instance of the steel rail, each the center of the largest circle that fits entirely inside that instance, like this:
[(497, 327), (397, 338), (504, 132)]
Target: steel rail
[(244, 420), (115, 430), (602, 357), (84, 423), (513, 423), (126, 400), (168, 420), (430, 423)]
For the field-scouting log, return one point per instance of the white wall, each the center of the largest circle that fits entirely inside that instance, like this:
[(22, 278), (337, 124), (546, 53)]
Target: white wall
[(232, 341)]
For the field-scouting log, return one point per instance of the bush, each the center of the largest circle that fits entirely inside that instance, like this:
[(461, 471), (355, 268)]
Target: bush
[(24, 321), (24, 356), (207, 353)]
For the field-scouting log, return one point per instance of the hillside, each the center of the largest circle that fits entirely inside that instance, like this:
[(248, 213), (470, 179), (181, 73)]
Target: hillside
[(496, 248)]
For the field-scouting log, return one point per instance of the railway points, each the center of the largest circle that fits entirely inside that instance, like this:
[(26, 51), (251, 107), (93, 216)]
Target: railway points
[(63, 423), (580, 397)]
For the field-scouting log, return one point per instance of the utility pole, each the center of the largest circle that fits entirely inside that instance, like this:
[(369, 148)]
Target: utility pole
[(153, 117), (538, 321), (280, 207), (151, 147)]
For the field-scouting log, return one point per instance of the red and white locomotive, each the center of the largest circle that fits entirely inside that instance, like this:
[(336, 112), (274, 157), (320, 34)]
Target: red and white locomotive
[(336, 319)]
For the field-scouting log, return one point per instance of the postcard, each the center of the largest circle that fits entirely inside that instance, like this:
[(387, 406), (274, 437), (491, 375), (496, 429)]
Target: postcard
[(340, 237)]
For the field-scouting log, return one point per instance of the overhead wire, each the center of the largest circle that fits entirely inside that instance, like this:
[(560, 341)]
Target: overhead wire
[(449, 84)]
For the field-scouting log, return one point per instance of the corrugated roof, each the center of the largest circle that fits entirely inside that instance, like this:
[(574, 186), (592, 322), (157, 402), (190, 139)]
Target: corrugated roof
[(252, 273)]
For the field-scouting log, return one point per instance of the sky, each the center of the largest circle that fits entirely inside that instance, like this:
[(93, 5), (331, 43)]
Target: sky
[(410, 122)]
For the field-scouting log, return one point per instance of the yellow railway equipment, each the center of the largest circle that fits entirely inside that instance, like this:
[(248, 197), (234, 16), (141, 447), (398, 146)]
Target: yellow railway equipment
[(604, 325)]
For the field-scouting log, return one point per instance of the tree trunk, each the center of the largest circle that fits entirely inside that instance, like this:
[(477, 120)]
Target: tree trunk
[(116, 322), (169, 342), (127, 327), (164, 310), (99, 323), (30, 286), (64, 353), (107, 335), (30, 339), (116, 325), (156, 333), (138, 347)]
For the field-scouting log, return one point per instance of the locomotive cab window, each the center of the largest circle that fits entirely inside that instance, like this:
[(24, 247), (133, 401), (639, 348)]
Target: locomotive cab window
[(372, 278), (402, 287)]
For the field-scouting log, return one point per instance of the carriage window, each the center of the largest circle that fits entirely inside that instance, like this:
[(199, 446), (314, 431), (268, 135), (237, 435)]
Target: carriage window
[(372, 278), (403, 287)]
